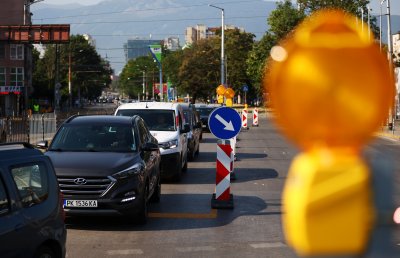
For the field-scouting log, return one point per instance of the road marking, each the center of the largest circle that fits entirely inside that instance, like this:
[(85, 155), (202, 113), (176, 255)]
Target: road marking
[(268, 245), (212, 215), (125, 252), (195, 249)]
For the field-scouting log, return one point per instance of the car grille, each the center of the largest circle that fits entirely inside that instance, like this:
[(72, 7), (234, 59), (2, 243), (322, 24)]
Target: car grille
[(87, 186)]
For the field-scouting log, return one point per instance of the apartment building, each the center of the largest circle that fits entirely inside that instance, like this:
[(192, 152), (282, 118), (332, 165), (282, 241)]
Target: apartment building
[(13, 60)]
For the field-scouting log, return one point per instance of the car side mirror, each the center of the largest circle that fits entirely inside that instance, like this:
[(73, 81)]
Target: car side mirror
[(186, 128), (150, 146), (42, 145)]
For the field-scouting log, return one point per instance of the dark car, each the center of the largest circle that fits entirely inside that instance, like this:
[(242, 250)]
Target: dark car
[(204, 111), (31, 213), (106, 165), (195, 134)]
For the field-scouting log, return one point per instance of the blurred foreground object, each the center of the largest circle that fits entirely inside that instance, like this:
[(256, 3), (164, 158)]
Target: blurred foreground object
[(331, 89)]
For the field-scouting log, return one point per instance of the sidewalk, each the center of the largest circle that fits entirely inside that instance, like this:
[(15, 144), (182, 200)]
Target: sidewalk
[(392, 134)]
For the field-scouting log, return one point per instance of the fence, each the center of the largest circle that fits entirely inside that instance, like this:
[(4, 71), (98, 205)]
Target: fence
[(39, 127)]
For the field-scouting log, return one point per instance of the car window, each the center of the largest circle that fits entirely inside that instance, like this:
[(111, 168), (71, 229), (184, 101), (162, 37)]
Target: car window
[(143, 134), (32, 183), (89, 137), (4, 202), (156, 119)]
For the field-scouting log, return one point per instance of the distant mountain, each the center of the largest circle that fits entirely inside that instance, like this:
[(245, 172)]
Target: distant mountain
[(157, 19)]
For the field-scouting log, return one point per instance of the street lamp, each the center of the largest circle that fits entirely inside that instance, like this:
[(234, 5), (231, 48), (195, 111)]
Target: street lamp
[(222, 44)]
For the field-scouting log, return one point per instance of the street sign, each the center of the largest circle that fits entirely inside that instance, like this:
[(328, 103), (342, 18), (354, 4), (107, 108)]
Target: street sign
[(224, 123), (245, 88)]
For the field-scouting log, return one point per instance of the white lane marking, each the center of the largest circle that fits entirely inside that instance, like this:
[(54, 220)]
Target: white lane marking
[(125, 252), (268, 245), (195, 249)]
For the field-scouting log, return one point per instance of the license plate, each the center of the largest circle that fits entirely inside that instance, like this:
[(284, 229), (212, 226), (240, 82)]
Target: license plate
[(80, 203)]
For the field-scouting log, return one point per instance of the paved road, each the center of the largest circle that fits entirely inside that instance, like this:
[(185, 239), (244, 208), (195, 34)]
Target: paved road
[(183, 223)]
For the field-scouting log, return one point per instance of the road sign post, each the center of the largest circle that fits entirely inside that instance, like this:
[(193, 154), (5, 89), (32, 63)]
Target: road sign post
[(224, 123)]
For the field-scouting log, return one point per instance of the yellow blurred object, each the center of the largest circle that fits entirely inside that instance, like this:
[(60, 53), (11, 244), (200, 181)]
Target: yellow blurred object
[(328, 204), (220, 99), (245, 106), (221, 90), (329, 82), (229, 93), (229, 102)]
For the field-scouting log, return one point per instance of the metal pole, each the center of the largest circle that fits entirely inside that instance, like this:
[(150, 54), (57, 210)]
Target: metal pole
[(369, 29), (161, 84), (390, 50), (380, 26), (222, 43), (69, 79)]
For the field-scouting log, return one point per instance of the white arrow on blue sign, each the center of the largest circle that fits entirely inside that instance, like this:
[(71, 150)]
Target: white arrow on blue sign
[(224, 122)]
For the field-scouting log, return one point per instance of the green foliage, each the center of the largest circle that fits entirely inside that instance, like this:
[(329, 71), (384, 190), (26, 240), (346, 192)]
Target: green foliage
[(284, 19), (89, 72), (131, 77)]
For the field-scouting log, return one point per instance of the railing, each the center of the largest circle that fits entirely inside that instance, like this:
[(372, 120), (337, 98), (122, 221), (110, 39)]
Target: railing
[(39, 127)]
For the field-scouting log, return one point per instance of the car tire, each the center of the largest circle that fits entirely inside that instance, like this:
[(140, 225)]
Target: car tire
[(142, 214), (45, 251), (178, 174), (155, 198), (197, 151)]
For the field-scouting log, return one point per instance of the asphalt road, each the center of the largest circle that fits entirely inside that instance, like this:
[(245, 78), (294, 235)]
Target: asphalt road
[(183, 223)]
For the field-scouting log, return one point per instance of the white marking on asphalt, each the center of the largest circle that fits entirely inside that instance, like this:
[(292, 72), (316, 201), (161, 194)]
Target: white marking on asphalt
[(125, 252), (195, 249), (268, 245)]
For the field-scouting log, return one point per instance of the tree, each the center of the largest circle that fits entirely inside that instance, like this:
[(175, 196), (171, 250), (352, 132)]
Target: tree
[(199, 73), (132, 75), (354, 7), (90, 73)]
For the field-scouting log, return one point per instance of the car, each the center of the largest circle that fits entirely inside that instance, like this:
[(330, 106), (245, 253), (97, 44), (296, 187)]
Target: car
[(106, 165), (195, 134), (204, 111), (166, 122), (31, 213)]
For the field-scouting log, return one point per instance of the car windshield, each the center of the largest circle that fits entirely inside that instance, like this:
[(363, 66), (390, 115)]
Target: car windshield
[(204, 111), (102, 138), (156, 120)]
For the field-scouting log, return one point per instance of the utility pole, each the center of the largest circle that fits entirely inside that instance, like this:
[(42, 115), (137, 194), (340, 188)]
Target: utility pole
[(222, 43)]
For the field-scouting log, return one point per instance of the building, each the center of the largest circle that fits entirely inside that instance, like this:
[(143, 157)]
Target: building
[(201, 31), (14, 64), (138, 47)]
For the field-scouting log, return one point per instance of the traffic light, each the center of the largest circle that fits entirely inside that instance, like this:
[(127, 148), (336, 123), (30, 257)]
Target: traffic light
[(331, 88)]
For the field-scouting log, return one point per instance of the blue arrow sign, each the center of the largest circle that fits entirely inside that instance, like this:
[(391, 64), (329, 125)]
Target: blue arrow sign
[(224, 122), (245, 88)]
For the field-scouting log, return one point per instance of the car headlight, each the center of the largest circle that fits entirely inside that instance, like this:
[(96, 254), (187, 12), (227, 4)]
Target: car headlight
[(129, 172), (169, 144)]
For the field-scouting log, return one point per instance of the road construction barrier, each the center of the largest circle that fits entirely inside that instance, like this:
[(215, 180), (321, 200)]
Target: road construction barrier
[(255, 117), (244, 119), (222, 198), (233, 158)]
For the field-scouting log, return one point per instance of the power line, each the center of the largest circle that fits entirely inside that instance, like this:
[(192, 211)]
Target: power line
[(144, 10)]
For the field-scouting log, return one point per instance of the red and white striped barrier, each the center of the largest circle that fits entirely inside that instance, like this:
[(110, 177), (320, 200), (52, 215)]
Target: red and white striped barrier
[(233, 158), (255, 117), (244, 119), (222, 198)]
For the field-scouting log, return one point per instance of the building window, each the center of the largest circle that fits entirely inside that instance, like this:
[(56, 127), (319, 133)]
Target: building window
[(17, 52), (2, 50), (17, 76), (2, 76)]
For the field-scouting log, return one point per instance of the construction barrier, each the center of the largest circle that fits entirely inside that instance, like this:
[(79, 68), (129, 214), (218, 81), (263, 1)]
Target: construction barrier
[(233, 157), (255, 117), (244, 119), (222, 198)]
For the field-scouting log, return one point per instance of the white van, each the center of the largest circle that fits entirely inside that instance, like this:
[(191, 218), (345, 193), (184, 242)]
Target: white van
[(166, 123)]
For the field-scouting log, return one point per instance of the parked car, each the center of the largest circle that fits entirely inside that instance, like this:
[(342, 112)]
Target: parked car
[(166, 122), (31, 212), (106, 165), (204, 112), (195, 133)]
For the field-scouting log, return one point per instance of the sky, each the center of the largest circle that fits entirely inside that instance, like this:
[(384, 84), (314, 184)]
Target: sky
[(375, 4)]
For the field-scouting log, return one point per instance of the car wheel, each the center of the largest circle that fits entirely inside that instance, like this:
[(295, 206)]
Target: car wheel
[(157, 192), (45, 252), (178, 175), (141, 217)]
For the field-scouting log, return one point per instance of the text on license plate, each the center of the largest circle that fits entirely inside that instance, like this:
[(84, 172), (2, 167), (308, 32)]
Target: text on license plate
[(80, 203)]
